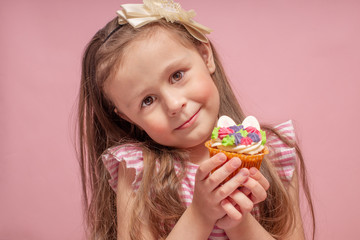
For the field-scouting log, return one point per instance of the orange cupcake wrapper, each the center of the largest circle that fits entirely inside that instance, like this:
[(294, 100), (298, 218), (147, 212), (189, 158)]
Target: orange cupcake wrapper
[(247, 161)]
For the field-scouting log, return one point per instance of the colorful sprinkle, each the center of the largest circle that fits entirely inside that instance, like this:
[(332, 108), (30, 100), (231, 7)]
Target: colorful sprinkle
[(215, 133), (238, 138), (253, 130), (243, 132), (236, 128), (246, 141), (263, 137), (228, 140), (254, 136), (224, 131)]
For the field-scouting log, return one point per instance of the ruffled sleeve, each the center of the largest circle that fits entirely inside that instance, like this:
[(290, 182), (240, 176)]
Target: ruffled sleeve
[(281, 155), (131, 154)]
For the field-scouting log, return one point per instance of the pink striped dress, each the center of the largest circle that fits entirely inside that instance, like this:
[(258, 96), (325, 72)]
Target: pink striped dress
[(282, 157)]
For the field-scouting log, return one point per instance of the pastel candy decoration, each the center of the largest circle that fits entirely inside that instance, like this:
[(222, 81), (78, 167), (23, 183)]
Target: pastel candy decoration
[(225, 121), (251, 121)]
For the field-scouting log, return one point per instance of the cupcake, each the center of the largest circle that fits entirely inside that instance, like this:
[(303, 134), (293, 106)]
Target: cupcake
[(245, 141)]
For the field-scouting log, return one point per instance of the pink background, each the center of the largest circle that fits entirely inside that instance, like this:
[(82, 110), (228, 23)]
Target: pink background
[(295, 60)]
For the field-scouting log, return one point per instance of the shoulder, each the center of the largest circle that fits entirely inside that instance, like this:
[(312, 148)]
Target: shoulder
[(286, 129), (281, 155), (131, 155)]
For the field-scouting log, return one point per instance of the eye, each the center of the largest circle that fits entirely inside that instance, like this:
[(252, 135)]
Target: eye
[(147, 101), (177, 76)]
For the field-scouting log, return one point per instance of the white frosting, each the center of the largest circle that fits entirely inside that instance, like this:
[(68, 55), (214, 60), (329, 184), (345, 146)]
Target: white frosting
[(253, 148)]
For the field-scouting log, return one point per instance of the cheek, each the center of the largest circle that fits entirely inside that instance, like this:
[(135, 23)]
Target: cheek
[(159, 134), (205, 90), (152, 129), (155, 126)]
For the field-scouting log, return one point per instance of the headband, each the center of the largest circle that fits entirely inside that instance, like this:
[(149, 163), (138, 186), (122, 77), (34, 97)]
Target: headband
[(138, 15)]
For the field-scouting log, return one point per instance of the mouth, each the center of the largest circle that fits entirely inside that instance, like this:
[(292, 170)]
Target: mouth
[(189, 122)]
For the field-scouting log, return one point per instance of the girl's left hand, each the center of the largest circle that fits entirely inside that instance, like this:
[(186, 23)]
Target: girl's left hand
[(242, 200)]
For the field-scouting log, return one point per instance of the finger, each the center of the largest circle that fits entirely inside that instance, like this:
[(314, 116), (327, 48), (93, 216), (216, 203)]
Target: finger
[(206, 167), (244, 190), (230, 210), (224, 222), (258, 193), (257, 175), (230, 186), (217, 177), (244, 204)]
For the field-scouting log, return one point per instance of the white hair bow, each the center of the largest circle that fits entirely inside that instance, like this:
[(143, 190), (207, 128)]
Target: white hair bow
[(138, 15)]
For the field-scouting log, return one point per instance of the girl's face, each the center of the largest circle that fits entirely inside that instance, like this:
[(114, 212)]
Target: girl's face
[(166, 89)]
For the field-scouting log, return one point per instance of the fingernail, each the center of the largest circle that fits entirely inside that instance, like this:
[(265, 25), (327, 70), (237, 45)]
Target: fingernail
[(222, 157), (253, 171), (236, 163), (244, 172)]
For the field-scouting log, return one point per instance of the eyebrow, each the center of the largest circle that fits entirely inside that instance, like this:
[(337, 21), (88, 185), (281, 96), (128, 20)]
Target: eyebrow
[(174, 64)]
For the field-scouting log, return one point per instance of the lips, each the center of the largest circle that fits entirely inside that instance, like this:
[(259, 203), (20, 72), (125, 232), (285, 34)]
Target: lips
[(189, 122)]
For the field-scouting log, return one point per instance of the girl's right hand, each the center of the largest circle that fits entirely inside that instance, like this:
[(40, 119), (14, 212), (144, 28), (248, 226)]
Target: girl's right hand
[(209, 193)]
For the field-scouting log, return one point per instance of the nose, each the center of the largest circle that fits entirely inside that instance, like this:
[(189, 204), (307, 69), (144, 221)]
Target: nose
[(174, 102)]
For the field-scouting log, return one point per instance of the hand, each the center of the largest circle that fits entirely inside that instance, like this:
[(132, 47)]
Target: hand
[(259, 196), (242, 200), (208, 193)]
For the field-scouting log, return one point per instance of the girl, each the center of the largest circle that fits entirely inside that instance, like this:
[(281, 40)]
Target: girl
[(152, 89)]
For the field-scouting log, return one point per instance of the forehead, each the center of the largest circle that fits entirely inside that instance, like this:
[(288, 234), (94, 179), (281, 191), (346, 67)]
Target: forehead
[(151, 43), (152, 54)]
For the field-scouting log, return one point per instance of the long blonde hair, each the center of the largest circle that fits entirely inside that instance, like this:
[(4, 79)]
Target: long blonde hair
[(99, 128)]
